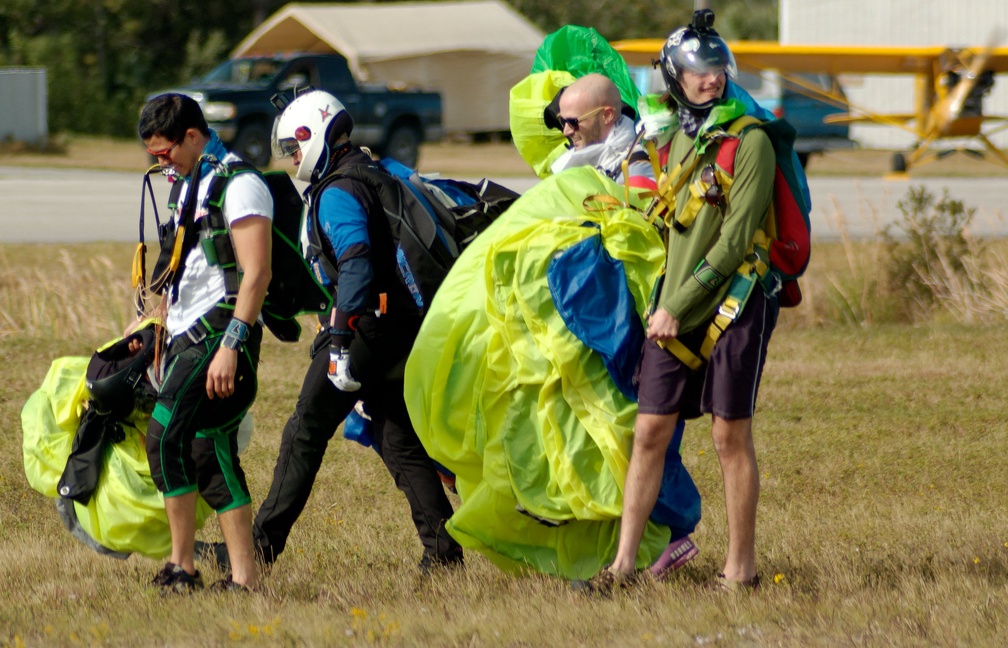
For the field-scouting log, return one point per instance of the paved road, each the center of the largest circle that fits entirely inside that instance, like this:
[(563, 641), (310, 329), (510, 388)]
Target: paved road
[(59, 205)]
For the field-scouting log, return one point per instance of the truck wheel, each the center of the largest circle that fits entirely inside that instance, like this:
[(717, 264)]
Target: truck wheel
[(253, 145), (403, 145)]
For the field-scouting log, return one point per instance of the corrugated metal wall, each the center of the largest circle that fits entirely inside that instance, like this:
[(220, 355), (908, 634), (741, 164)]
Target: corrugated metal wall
[(951, 23), (23, 105)]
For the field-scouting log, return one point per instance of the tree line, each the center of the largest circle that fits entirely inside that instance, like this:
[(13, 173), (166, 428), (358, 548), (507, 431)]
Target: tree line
[(103, 57)]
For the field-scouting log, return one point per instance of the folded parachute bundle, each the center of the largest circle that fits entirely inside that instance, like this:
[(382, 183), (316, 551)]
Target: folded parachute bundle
[(514, 386), (83, 445)]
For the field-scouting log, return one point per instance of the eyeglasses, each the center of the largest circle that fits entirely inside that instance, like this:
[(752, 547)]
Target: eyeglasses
[(714, 195), (163, 152), (575, 122)]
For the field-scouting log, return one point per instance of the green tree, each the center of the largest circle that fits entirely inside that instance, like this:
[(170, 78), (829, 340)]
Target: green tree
[(620, 19), (103, 57)]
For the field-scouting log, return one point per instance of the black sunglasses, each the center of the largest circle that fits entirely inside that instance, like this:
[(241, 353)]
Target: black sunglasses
[(575, 122)]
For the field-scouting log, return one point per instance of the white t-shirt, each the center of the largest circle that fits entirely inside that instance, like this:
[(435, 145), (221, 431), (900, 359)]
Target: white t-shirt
[(202, 285)]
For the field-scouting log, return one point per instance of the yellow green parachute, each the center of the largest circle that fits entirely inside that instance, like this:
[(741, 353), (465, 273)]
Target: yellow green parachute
[(126, 513), (503, 393)]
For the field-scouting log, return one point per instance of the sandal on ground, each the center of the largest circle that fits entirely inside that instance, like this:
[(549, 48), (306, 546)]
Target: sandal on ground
[(228, 585), (604, 582), (720, 583)]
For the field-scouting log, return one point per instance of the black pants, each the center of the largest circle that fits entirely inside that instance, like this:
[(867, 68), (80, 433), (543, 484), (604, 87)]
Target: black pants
[(377, 357)]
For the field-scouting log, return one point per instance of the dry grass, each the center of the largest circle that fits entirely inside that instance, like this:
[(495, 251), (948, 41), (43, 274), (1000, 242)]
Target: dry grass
[(495, 159), (882, 517), (449, 158)]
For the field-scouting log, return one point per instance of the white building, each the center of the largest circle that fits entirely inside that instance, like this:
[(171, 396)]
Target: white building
[(23, 115)]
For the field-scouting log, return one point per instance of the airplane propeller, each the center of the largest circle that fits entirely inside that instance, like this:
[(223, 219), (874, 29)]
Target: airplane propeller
[(949, 108)]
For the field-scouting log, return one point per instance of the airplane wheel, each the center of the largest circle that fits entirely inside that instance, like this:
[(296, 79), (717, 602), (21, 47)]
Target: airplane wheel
[(898, 163)]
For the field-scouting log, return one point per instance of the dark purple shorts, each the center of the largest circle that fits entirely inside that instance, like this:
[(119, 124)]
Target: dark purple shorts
[(727, 385)]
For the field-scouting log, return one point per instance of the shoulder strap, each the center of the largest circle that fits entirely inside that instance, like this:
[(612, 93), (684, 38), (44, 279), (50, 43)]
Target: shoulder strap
[(319, 250), (742, 124), (216, 239)]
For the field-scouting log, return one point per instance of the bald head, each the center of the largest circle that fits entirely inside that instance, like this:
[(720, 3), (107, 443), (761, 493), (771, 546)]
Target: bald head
[(594, 102)]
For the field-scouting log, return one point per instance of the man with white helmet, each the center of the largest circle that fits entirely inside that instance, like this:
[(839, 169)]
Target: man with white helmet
[(361, 349), (705, 251)]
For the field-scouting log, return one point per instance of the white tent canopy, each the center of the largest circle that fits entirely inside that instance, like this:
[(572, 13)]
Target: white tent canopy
[(471, 52)]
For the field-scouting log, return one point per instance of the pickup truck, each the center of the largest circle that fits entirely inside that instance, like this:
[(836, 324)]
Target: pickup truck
[(235, 98)]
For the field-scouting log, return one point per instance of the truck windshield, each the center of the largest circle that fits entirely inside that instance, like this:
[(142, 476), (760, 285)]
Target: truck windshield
[(259, 71)]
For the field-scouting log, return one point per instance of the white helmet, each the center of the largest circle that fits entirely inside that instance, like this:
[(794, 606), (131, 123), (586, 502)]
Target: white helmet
[(311, 123)]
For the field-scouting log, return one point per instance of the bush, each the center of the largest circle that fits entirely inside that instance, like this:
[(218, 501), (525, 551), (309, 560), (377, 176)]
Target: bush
[(933, 262)]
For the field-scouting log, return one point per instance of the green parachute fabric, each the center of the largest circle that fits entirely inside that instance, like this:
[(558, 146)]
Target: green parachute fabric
[(581, 51), (507, 398), (126, 513), (567, 54)]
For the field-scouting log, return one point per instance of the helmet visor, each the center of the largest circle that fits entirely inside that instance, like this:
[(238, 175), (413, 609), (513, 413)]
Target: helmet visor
[(285, 147), (704, 55)]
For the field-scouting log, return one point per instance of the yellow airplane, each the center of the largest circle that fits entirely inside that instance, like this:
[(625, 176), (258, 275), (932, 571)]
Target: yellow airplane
[(949, 85)]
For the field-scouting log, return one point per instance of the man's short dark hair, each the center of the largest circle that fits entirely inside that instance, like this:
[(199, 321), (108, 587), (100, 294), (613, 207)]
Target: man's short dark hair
[(170, 115)]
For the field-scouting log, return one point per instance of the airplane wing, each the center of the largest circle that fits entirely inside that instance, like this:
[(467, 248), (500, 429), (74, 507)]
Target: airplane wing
[(831, 59)]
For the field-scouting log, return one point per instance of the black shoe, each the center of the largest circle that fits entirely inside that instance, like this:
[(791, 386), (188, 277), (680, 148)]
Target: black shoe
[(172, 579), (450, 560), (215, 552)]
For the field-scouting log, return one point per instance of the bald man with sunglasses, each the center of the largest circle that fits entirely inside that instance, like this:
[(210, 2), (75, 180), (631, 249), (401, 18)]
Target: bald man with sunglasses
[(600, 135)]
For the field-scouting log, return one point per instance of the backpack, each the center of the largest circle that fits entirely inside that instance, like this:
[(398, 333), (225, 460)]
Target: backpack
[(293, 289), (430, 220), (787, 235)]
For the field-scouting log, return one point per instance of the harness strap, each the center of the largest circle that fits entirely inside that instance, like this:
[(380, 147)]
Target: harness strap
[(679, 350), (215, 237), (664, 203), (738, 294), (652, 153), (756, 267)]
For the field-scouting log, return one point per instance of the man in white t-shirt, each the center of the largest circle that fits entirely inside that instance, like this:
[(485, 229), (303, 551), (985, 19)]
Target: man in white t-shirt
[(211, 304)]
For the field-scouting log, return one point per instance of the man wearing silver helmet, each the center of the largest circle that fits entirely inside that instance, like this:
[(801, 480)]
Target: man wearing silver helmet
[(709, 238), (361, 347)]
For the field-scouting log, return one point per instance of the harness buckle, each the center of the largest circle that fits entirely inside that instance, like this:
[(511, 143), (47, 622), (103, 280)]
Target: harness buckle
[(730, 308)]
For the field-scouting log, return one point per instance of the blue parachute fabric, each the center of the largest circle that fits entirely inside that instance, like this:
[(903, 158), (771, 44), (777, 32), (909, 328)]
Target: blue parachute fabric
[(589, 289), (357, 428), (590, 292)]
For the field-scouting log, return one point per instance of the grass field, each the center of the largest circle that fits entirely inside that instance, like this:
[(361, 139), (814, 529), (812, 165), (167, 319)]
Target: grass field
[(882, 520)]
